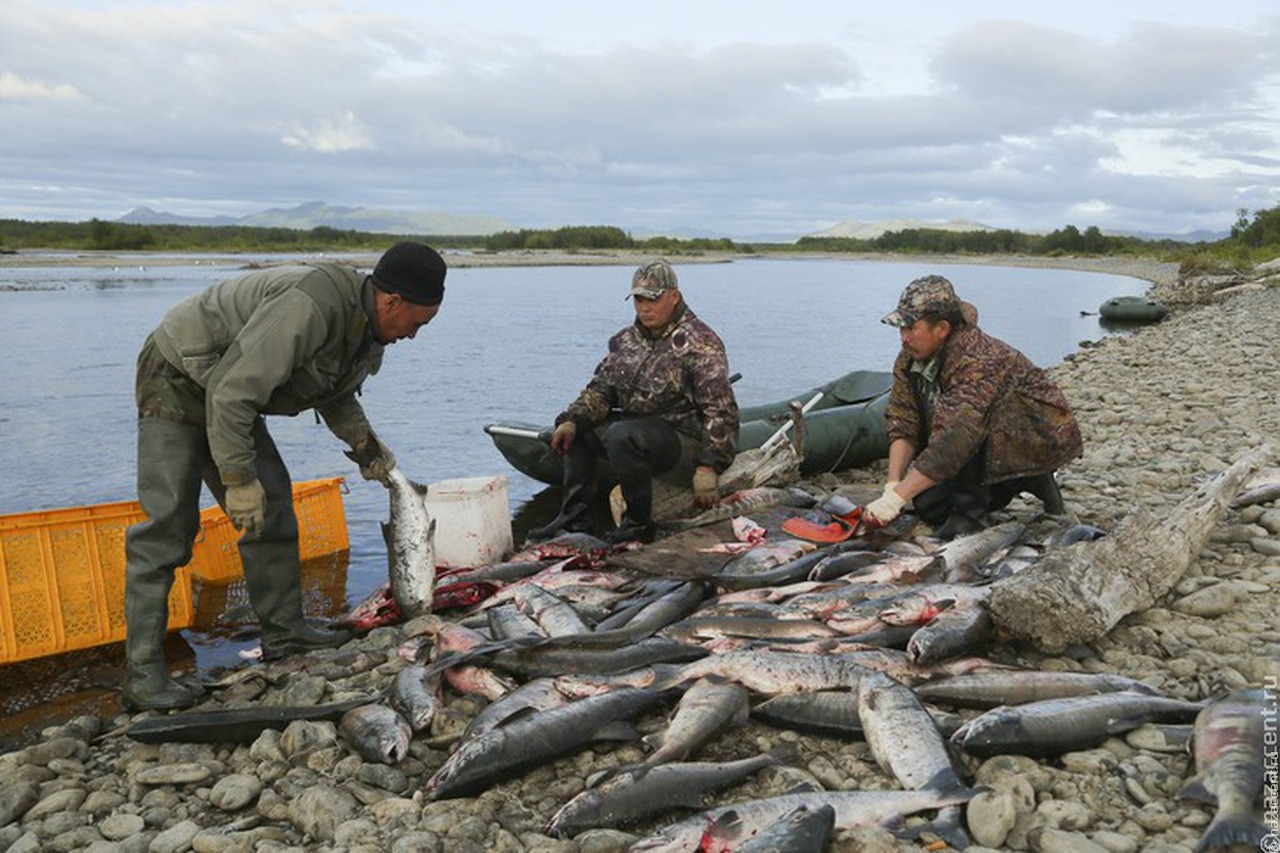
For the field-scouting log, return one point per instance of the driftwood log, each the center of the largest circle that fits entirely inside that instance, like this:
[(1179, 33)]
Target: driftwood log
[(1077, 594)]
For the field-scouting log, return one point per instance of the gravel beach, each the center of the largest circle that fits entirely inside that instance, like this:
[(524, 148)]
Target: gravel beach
[(1162, 410)]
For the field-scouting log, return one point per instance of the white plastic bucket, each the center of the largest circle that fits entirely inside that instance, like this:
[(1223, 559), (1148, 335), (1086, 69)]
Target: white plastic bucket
[(473, 521)]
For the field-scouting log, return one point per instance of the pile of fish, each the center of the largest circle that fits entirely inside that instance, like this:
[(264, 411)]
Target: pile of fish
[(880, 636)]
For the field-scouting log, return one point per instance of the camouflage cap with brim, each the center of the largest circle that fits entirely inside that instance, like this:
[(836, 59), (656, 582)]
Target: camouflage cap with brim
[(653, 279), (929, 296)]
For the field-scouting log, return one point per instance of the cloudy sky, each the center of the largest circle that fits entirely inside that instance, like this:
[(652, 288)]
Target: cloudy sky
[(724, 116)]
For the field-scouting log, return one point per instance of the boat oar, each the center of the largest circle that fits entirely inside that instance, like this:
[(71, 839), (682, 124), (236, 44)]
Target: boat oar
[(543, 435), (777, 438)]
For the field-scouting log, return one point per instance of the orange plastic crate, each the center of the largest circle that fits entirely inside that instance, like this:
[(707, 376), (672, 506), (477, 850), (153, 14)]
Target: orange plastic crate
[(62, 571), (322, 529)]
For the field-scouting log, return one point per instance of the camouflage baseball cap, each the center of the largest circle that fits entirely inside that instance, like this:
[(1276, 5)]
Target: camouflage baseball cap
[(651, 279), (931, 295)]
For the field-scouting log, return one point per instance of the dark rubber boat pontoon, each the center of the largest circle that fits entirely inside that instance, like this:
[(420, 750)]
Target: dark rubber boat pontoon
[(844, 428)]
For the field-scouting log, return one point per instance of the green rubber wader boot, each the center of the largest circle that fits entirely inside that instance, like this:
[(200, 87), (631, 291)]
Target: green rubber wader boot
[(272, 569), (169, 472), (148, 686)]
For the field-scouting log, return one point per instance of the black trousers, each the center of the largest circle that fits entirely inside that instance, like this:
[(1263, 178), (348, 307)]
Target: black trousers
[(968, 495), (635, 451)]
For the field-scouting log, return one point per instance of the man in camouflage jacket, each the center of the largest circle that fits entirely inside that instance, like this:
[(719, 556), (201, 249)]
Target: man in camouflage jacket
[(659, 403), (274, 342), (971, 421)]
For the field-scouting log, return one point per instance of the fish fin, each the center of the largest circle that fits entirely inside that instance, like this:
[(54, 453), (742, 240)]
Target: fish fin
[(726, 827), (599, 777), (386, 535), (804, 788), (1232, 829), (1124, 724), (785, 753), (1195, 790)]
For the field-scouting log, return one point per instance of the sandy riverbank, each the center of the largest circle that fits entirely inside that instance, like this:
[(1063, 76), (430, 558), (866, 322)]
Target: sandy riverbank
[(1148, 269)]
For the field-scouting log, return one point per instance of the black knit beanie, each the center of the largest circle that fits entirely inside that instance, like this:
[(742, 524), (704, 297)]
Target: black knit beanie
[(413, 270)]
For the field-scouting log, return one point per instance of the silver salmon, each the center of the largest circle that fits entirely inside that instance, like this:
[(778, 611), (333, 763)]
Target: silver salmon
[(990, 688), (726, 828), (1055, 726), (639, 791), (533, 740), (706, 708), (804, 829), (902, 736), (411, 553), (416, 695), (377, 733), (1228, 743)]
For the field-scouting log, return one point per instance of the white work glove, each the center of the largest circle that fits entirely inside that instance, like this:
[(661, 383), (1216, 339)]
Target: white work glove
[(562, 438), (706, 487), (247, 506), (885, 508)]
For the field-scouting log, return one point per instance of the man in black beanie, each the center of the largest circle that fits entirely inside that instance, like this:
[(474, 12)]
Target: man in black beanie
[(277, 341)]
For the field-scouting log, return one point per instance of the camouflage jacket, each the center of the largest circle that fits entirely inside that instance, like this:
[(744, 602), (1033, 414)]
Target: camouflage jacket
[(273, 342), (988, 392), (680, 374)]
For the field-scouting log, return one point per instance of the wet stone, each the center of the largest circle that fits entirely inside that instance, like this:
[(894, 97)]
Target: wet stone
[(234, 792), (1114, 842), (318, 810), (1094, 762), (1065, 814), (173, 774), (1051, 840), (991, 815), (67, 800), (175, 839), (16, 799), (119, 826)]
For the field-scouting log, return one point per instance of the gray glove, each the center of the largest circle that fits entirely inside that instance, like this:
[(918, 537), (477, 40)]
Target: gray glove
[(247, 506), (374, 458)]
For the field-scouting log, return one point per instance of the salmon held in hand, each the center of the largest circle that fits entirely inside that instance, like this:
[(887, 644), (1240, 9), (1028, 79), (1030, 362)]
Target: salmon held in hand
[(410, 538)]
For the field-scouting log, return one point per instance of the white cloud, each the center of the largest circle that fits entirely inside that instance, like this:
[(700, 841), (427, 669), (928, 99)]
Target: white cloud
[(733, 121), (342, 133), (13, 87)]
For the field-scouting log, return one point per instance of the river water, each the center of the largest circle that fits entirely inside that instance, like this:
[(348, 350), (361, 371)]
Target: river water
[(511, 343)]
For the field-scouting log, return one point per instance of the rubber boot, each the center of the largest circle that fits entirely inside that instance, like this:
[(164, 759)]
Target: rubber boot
[(637, 521), (968, 509), (170, 458), (272, 568), (574, 515), (575, 508), (1045, 487), (273, 576), (148, 685)]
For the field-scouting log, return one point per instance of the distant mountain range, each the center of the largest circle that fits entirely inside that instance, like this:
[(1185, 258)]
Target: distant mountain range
[(871, 230), (315, 214)]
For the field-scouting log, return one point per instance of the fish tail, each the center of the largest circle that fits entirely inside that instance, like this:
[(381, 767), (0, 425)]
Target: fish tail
[(1227, 830), (947, 826)]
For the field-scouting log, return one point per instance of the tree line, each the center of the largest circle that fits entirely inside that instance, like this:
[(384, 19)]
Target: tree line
[(1253, 237)]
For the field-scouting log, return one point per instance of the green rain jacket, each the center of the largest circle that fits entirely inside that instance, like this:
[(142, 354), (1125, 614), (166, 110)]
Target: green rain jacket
[(277, 341)]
